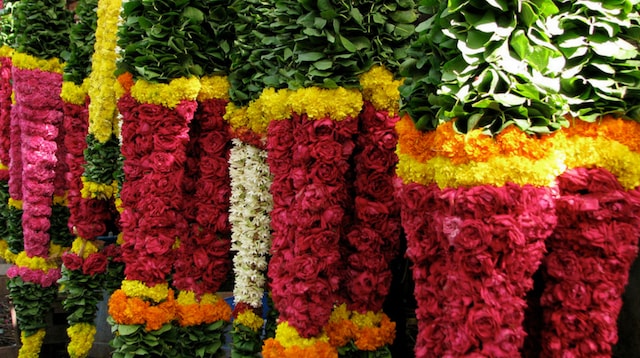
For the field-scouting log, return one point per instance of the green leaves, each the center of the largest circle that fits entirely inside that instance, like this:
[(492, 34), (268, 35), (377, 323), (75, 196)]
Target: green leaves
[(522, 62), (82, 39), (32, 303), (41, 27), (201, 341), (163, 39), (135, 341), (295, 44)]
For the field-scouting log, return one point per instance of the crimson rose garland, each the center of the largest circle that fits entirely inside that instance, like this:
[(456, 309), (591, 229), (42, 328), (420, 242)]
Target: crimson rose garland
[(587, 268)]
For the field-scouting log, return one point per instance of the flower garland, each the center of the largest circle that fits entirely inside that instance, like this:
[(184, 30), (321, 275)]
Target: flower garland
[(202, 259), (6, 92), (103, 152), (289, 344), (452, 160), (153, 223), (308, 156), (443, 158), (250, 205), (587, 268), (353, 331)]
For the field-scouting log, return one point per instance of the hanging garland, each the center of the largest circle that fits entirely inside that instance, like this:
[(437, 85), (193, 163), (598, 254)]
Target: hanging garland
[(6, 91), (37, 120), (437, 220), (250, 206)]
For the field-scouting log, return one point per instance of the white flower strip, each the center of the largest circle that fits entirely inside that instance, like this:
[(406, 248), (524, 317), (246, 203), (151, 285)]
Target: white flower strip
[(250, 205)]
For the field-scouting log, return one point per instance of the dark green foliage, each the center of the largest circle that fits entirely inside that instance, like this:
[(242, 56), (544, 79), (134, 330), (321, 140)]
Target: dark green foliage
[(82, 40), (42, 27)]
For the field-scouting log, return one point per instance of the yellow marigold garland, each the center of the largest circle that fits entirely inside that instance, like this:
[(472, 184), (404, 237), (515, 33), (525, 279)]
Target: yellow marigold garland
[(74, 94), (369, 331), (316, 102), (138, 289), (28, 62), (249, 319), (102, 109), (379, 88), (452, 160), (167, 95), (31, 345), (214, 87), (83, 247), (6, 51), (97, 190), (82, 337), (5, 253), (35, 262), (16, 204)]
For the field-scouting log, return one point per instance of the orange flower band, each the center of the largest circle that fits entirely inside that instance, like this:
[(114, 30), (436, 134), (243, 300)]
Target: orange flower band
[(135, 311)]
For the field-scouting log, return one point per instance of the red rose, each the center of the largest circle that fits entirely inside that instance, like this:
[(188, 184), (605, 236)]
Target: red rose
[(484, 321), (150, 113), (307, 267), (164, 162), (94, 264), (328, 173), (328, 151), (377, 186), (280, 137), (564, 264), (476, 263), (473, 235), (571, 324), (506, 344), (373, 158), (71, 261), (460, 340), (214, 143), (214, 168)]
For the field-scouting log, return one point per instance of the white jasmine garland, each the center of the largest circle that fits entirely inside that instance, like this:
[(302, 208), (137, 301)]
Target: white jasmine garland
[(250, 205)]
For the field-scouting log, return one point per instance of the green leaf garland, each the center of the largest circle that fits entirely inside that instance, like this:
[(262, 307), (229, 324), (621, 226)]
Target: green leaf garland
[(41, 27), (82, 39)]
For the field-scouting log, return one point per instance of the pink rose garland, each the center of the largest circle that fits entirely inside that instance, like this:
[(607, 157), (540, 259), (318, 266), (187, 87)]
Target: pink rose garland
[(39, 114), (203, 261), (373, 240), (474, 253), (154, 147), (5, 115), (306, 263), (587, 268)]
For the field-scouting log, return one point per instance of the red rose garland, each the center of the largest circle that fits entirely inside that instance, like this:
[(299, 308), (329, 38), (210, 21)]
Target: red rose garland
[(474, 252), (308, 225), (374, 238), (152, 193), (202, 261), (587, 268)]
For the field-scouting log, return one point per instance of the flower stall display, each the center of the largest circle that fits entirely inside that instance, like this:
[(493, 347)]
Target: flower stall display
[(499, 177), (6, 91), (37, 118)]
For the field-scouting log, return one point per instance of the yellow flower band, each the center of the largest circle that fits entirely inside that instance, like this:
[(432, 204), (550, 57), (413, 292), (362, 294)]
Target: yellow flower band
[(60, 200), (214, 87), (288, 336), (81, 337), (32, 344), (453, 160), (249, 319), (92, 190), (379, 88), (138, 289), (6, 51), (35, 263), (3, 167), (74, 94), (83, 247), (167, 95), (28, 62), (317, 103), (16, 204), (5, 253)]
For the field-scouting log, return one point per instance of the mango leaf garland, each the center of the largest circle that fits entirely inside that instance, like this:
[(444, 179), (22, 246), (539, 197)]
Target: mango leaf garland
[(299, 44), (81, 40), (41, 28)]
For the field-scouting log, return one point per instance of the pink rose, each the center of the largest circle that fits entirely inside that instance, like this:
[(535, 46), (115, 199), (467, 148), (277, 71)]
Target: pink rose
[(94, 264), (484, 201), (477, 262), (460, 340), (564, 264)]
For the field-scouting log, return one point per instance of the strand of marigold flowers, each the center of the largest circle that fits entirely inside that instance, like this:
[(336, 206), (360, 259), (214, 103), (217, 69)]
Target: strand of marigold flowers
[(202, 259), (82, 273), (373, 239), (6, 91), (39, 117), (587, 268), (318, 134), (250, 206)]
